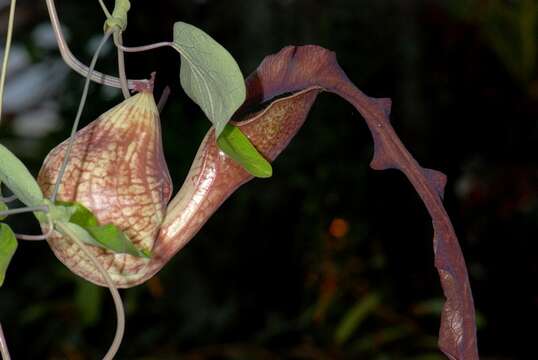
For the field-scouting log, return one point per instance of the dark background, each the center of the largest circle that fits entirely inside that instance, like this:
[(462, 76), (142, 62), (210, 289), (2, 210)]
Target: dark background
[(271, 276)]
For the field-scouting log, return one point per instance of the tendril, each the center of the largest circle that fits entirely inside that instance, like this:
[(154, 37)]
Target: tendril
[(145, 47), (38, 237), (105, 9), (71, 60), (163, 99), (118, 40), (5, 61), (77, 118), (118, 304)]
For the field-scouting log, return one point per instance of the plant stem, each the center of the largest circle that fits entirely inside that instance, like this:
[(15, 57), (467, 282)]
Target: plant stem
[(77, 118), (163, 99), (105, 10), (118, 39), (145, 47), (118, 304), (72, 61), (6, 213), (38, 237), (32, 237), (6, 53), (3, 345)]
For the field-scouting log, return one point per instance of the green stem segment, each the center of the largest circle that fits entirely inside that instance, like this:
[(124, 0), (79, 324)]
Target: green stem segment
[(118, 19)]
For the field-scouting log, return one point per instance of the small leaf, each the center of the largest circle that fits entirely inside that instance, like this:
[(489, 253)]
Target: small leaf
[(85, 225), (237, 146), (79, 214), (209, 74), (114, 239), (18, 179), (82, 234), (8, 245), (107, 237)]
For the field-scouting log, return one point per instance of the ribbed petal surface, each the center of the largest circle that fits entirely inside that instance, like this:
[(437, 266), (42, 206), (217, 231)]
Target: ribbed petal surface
[(117, 169)]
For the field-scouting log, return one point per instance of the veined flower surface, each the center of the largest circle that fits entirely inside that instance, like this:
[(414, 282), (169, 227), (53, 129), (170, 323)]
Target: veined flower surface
[(117, 169)]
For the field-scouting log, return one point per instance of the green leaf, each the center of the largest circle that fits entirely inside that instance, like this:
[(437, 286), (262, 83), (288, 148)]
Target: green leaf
[(81, 234), (237, 146), (18, 179), (209, 74), (114, 239), (85, 226), (78, 213), (107, 237), (8, 245), (55, 213)]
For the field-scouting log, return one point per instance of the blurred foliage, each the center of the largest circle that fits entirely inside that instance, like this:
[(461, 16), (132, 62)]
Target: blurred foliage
[(328, 259), (510, 28)]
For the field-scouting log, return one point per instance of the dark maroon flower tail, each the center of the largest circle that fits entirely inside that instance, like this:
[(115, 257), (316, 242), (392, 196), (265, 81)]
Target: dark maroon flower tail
[(298, 68)]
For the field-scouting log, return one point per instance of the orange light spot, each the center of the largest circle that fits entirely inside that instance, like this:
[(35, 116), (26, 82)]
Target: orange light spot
[(155, 287), (339, 228)]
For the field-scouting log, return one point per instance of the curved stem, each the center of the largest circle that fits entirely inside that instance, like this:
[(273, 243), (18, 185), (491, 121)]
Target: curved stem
[(118, 304), (77, 118), (6, 53), (38, 237), (118, 40), (3, 345), (72, 61)]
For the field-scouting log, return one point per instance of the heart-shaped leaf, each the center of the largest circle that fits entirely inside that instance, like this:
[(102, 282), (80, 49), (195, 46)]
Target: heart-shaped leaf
[(237, 146), (8, 245), (209, 74), (18, 179)]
